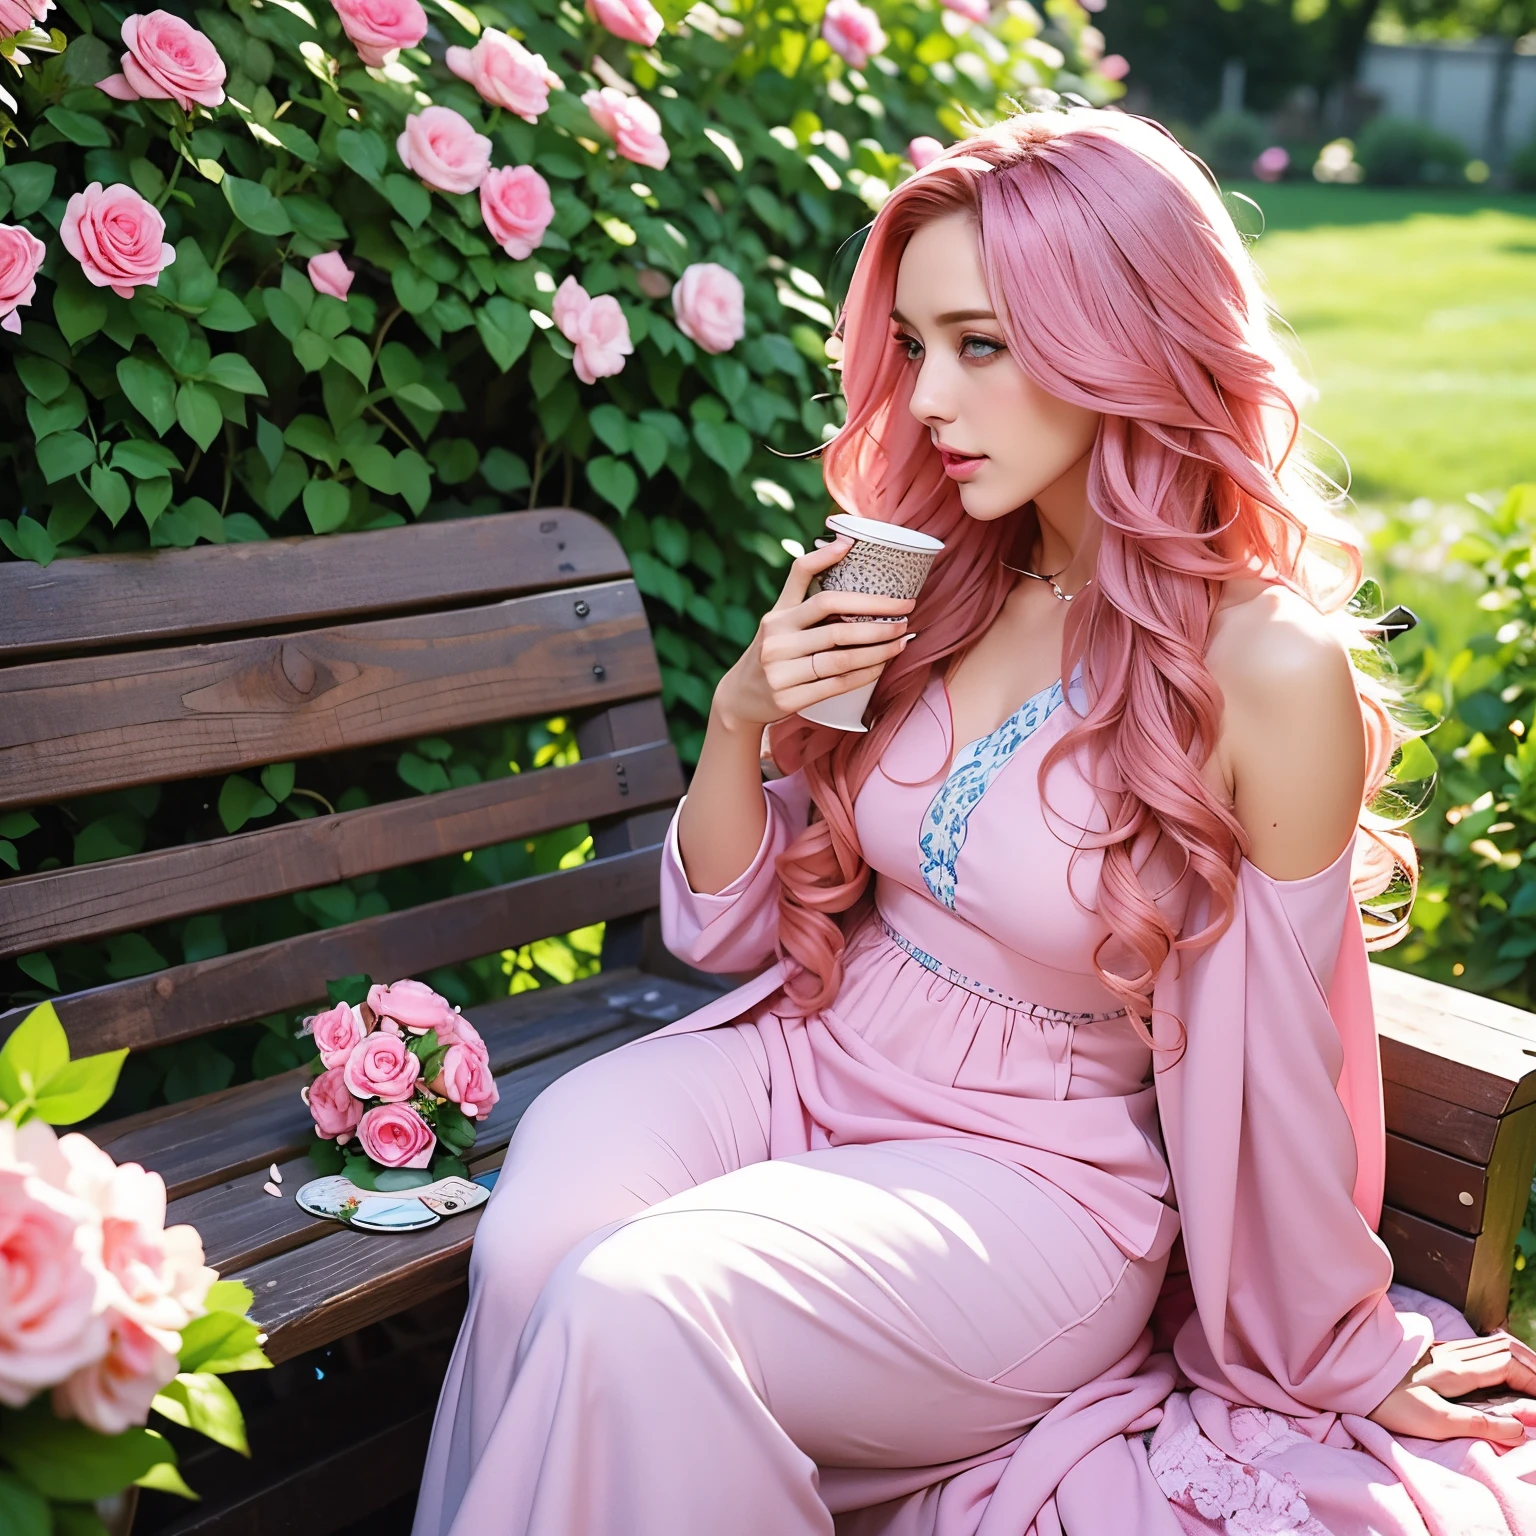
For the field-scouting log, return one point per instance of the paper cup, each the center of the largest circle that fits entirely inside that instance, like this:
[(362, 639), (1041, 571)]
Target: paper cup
[(886, 559)]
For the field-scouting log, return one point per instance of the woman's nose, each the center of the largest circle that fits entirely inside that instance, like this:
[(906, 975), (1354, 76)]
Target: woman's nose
[(931, 399)]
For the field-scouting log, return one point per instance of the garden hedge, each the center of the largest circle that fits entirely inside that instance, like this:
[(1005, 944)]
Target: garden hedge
[(224, 396)]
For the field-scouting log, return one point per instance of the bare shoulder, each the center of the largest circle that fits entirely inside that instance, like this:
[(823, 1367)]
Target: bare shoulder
[(1292, 742)]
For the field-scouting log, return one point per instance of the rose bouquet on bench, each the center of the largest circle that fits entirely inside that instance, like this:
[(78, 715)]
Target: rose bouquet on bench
[(403, 1082)]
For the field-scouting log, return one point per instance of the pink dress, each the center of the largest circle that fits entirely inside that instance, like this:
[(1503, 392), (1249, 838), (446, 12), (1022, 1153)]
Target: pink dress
[(887, 1270), (1265, 1142)]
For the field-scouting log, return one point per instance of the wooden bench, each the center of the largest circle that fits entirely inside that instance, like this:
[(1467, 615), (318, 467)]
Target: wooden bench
[(127, 670)]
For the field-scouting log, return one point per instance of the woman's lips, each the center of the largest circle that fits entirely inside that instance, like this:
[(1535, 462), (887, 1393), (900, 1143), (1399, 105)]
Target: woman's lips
[(960, 466)]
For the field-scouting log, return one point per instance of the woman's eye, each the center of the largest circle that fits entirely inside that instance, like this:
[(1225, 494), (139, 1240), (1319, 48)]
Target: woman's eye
[(994, 347), (906, 343)]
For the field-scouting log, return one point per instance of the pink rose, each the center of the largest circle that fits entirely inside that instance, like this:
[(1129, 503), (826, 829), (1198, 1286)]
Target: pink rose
[(113, 1393), (52, 1288), (380, 1067), (516, 207), (631, 123), (1272, 163), (506, 74), (413, 1004), (396, 1136), (167, 60), (636, 21), (21, 16), (379, 29), (977, 11), (443, 149), (852, 32), (462, 1032), (117, 237), (21, 254), (1113, 66), (335, 1111), (336, 1032), (710, 308), (329, 274), (160, 1281), (596, 327), (923, 151), (466, 1079)]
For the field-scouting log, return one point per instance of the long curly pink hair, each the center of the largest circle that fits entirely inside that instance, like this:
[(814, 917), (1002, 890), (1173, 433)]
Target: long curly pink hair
[(1120, 284)]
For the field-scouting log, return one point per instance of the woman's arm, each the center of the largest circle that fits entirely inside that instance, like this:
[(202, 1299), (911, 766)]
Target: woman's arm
[(1292, 754)]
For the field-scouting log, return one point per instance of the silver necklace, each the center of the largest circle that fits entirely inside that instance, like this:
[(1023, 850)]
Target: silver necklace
[(1066, 597)]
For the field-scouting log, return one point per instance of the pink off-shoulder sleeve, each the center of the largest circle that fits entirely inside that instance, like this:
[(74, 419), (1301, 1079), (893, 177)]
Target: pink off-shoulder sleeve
[(1273, 1127), (736, 929)]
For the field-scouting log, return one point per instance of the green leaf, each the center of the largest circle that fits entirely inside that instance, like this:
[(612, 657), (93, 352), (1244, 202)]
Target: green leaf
[(78, 128), (613, 480), (226, 313), (200, 415), (240, 801), (312, 350), (131, 954), (82, 1519), (408, 198), (413, 478), (255, 206), (424, 777), (40, 377), (326, 504), (375, 467), (221, 1341), (40, 968), (199, 1400), (27, 539), (416, 291), (164, 1478), (144, 461), (648, 446), (81, 1088), (312, 436), (231, 371), (277, 779), (229, 1296), (37, 1050), (363, 151), (353, 355), (110, 492), (455, 459), (612, 426), (727, 444), (79, 308), (284, 312), (315, 219), (269, 443), (328, 317), (65, 453), (23, 1511), (504, 471), (108, 837), (150, 390), (66, 413), (31, 184), (506, 329)]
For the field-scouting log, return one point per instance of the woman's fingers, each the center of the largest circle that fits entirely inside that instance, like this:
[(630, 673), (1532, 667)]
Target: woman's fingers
[(820, 665), (835, 605), (805, 566), (792, 700), (783, 645)]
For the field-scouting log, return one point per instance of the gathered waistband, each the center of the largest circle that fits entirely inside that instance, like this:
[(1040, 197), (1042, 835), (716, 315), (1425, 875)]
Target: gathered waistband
[(991, 994)]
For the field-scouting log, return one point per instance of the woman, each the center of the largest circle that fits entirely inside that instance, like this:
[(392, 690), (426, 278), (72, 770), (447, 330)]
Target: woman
[(873, 1244)]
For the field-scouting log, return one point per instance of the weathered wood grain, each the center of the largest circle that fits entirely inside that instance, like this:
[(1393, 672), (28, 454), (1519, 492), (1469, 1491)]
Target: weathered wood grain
[(345, 1280), (1427, 1256), (103, 722), (119, 600), (91, 900), (1444, 1126), (189, 1000), (1429, 1183)]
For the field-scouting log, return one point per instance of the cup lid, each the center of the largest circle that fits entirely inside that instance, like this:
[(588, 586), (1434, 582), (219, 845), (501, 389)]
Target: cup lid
[(878, 532)]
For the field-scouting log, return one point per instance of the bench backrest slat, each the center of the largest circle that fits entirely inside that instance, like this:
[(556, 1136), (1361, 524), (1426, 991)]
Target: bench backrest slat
[(105, 722), (89, 901), (189, 1000), (121, 600)]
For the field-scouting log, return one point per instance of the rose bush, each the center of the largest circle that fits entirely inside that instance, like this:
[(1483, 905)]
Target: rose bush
[(427, 261), (106, 1314)]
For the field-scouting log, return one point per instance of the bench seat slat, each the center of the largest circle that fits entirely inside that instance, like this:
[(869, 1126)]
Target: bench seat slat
[(92, 900), (189, 1000), (102, 601), (1429, 1183), (315, 1293), (1426, 1255), (105, 722), (1434, 1122)]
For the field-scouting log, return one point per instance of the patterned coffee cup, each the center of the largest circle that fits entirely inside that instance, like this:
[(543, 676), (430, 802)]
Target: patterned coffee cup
[(886, 559)]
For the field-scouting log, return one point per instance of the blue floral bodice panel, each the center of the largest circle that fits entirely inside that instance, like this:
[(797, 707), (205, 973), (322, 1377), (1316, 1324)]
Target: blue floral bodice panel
[(949, 813)]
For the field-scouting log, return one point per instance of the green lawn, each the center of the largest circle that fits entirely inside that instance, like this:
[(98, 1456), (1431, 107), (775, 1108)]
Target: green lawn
[(1416, 312)]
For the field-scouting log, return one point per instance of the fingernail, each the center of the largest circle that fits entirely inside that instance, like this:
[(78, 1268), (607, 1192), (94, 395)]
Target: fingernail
[(912, 636)]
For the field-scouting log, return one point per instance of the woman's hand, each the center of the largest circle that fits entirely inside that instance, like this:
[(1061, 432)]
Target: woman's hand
[(1419, 1404), (796, 659)]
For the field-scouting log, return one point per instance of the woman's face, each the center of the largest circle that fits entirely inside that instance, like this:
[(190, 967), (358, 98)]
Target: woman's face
[(975, 400)]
